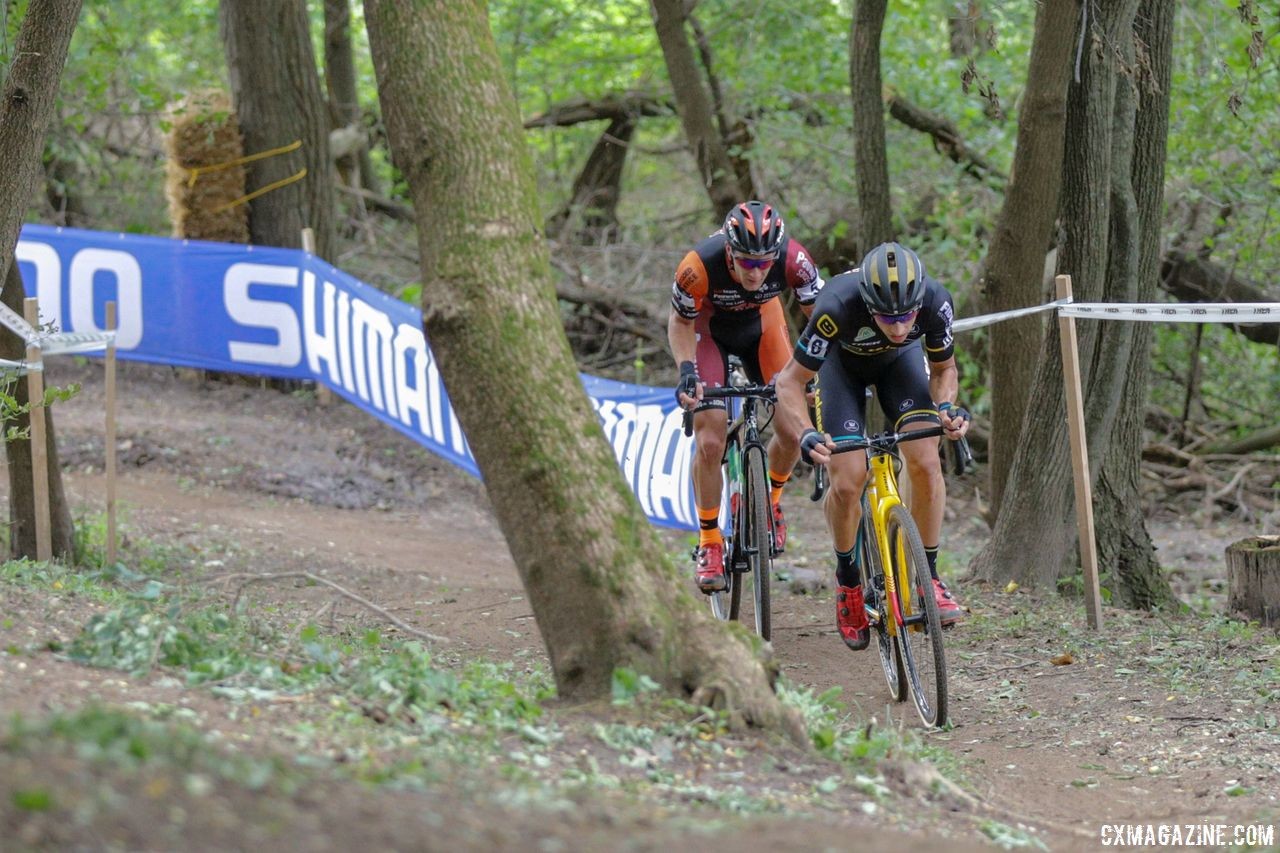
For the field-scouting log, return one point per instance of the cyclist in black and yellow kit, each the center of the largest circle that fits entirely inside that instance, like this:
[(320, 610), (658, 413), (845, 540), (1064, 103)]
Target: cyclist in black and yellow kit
[(866, 329), (724, 301)]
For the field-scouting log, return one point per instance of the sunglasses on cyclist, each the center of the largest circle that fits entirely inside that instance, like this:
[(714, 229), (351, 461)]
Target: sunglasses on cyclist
[(892, 319), (754, 263)]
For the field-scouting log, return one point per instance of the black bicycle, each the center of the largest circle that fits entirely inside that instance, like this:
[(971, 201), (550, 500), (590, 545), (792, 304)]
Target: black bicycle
[(746, 516), (896, 578)]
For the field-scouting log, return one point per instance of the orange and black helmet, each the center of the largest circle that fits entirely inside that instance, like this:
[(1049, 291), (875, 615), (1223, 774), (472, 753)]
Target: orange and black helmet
[(892, 279), (754, 228)]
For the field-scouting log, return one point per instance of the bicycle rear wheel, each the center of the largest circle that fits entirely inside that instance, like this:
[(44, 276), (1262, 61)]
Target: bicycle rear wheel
[(920, 632), (873, 583), (758, 526)]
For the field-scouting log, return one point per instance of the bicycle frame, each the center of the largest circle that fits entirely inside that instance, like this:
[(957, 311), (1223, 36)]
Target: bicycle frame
[(881, 495)]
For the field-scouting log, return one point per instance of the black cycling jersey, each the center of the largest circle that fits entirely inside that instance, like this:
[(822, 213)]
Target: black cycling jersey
[(842, 321)]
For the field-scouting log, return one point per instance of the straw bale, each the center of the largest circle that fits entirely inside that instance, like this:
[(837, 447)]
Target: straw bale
[(204, 132)]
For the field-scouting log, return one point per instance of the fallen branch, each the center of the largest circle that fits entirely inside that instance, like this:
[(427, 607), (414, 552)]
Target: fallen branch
[(250, 578)]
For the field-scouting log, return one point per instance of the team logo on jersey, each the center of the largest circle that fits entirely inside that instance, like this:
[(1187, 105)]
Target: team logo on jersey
[(852, 426), (906, 404), (864, 334), (826, 326)]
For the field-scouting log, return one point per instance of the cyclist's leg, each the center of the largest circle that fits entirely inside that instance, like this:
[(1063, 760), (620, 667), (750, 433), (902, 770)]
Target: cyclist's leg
[(904, 388), (709, 444), (839, 409)]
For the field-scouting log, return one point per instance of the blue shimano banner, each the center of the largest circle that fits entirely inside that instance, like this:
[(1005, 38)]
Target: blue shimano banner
[(283, 313)]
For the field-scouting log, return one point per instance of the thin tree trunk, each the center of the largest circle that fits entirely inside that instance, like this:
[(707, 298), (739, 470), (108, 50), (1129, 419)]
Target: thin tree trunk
[(1124, 544), (601, 592), (30, 84), (276, 91), (870, 160), (340, 82), (695, 107), (1015, 263)]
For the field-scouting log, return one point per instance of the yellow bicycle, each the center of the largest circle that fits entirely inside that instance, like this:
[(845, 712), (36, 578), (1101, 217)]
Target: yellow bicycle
[(896, 580)]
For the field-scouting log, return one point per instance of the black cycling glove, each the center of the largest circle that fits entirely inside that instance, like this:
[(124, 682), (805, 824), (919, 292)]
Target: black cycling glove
[(954, 412), (811, 439), (688, 380)]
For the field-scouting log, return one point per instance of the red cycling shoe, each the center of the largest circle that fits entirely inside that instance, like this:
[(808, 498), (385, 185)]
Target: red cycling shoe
[(851, 617), (710, 560), (779, 529), (949, 610)]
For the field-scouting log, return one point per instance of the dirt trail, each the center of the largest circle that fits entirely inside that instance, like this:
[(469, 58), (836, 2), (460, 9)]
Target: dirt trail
[(282, 484)]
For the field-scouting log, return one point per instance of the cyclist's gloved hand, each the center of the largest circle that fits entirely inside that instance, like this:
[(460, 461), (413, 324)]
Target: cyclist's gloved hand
[(810, 441), (954, 419), (688, 382)]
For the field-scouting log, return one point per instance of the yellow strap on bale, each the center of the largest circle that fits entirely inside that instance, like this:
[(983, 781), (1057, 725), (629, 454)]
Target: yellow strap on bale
[(274, 185), (197, 171)]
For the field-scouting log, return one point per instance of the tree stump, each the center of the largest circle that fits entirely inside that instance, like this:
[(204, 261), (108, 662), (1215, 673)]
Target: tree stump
[(1253, 577)]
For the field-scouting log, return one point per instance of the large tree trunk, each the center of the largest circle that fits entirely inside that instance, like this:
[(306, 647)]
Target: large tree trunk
[(1015, 263), (276, 92), (1124, 545), (870, 160), (601, 592), (695, 107), (1035, 535), (22, 503), (30, 84), (340, 82)]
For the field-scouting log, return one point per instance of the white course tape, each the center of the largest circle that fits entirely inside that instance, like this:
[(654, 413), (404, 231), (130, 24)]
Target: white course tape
[(64, 343), (987, 319), (17, 324), (1244, 313)]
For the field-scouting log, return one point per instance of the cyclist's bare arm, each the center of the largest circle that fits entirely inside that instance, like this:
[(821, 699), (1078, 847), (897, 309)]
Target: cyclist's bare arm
[(944, 384), (684, 347), (792, 413)]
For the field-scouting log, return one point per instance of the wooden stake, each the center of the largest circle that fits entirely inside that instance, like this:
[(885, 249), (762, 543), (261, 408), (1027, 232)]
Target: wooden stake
[(39, 448), (323, 395), (1079, 459), (110, 442)]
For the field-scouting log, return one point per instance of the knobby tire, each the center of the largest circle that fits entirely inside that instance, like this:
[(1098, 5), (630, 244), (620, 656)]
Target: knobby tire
[(921, 641), (758, 527)]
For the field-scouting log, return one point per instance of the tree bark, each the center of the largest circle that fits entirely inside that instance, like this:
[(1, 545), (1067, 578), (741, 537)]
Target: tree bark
[(1034, 538), (340, 83), (276, 92), (1192, 279), (1253, 578), (1014, 267), (870, 160), (695, 107), (30, 84), (1125, 548), (603, 595)]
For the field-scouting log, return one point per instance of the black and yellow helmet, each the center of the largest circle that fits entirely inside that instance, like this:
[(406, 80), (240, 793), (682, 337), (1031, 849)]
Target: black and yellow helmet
[(892, 279), (754, 228)]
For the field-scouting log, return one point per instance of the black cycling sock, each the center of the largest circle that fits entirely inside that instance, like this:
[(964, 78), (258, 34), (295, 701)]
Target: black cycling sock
[(931, 554), (847, 573)]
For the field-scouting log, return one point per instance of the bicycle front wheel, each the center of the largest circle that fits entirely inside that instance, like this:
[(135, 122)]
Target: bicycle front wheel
[(920, 628), (758, 526)]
